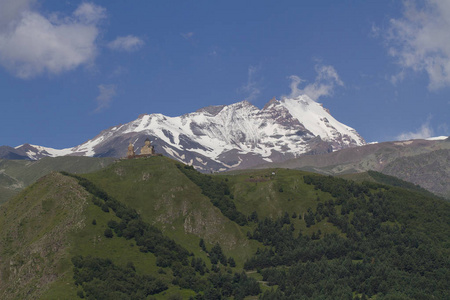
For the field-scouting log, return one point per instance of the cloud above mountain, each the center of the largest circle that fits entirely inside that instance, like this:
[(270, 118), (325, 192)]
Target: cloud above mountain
[(32, 44), (127, 43), (326, 81), (419, 40), (252, 88), (425, 131), (106, 93)]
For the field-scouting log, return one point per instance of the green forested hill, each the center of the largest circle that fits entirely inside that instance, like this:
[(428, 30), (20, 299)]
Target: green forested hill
[(151, 228)]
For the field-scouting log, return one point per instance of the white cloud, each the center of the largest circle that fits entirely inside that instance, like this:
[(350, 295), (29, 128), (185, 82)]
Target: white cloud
[(425, 131), (397, 77), (187, 35), (89, 14), (11, 10), (420, 40), (251, 89), (326, 80), (295, 81), (31, 44), (106, 94), (375, 31), (119, 70), (127, 43)]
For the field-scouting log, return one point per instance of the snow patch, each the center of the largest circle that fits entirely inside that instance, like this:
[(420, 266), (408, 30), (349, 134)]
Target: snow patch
[(282, 127), (235, 165), (201, 161), (51, 151), (403, 143), (437, 138), (173, 153)]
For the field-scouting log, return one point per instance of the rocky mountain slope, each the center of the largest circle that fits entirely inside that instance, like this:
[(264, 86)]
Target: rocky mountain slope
[(218, 138), (422, 162), (429, 170)]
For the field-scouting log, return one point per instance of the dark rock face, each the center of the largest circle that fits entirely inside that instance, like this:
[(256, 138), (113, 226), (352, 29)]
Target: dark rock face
[(25, 151), (7, 152)]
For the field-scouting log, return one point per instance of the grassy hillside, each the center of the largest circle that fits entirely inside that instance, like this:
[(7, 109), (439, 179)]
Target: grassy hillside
[(165, 196), (35, 230), (421, 162), (274, 192), (161, 230), (15, 175)]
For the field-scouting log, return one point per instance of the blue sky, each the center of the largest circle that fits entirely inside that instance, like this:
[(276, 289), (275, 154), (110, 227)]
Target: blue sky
[(69, 69)]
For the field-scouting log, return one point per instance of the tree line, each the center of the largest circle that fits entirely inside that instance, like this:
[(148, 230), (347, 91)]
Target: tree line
[(217, 191), (192, 274)]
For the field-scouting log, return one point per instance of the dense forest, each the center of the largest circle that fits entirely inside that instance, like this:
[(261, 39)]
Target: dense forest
[(389, 243), (383, 249), (188, 271)]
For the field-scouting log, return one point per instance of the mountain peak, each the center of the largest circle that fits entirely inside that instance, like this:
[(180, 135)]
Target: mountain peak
[(212, 109), (221, 137), (243, 103), (272, 101)]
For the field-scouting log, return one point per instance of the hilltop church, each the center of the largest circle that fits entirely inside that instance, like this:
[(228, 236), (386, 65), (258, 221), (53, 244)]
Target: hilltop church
[(146, 150)]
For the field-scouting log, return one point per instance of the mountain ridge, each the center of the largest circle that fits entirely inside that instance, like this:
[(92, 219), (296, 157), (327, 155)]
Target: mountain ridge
[(217, 138), (422, 162), (17, 174)]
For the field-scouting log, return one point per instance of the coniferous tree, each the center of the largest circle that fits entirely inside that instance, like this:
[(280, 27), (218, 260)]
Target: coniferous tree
[(231, 262), (108, 233), (309, 218), (202, 245)]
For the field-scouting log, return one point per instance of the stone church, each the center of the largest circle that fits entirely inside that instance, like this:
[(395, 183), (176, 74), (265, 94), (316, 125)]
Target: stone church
[(146, 150)]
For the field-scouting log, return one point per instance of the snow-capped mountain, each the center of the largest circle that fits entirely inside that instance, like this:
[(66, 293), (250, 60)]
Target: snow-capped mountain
[(218, 138)]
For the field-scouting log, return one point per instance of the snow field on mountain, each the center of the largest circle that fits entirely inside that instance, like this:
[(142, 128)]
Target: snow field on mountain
[(225, 134)]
